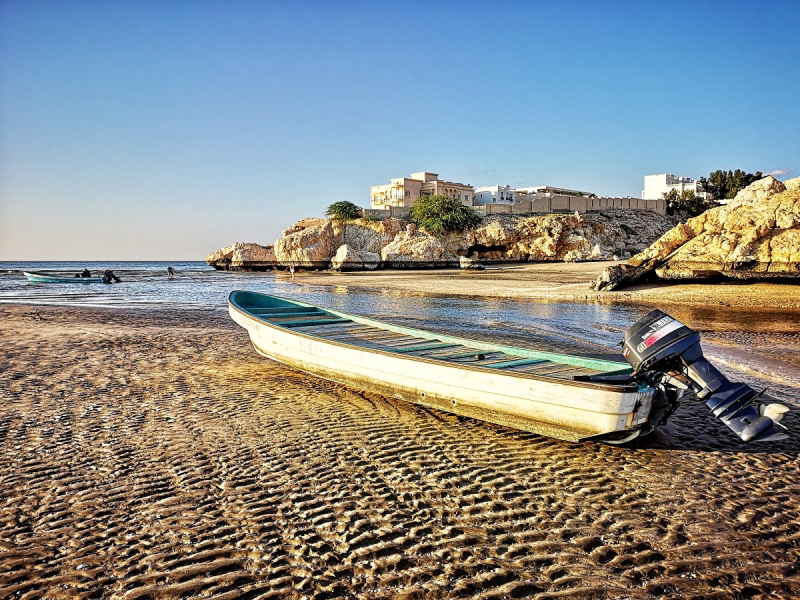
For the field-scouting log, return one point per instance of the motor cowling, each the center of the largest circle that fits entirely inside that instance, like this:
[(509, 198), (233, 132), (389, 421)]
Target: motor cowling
[(667, 353)]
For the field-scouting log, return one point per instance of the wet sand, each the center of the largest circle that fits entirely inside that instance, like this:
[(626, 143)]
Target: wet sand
[(562, 281), (155, 455)]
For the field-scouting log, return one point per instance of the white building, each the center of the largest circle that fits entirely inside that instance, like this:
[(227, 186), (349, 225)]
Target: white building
[(494, 194), (655, 186)]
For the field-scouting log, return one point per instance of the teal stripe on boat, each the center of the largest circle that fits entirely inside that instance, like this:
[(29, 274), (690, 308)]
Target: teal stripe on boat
[(285, 309), (292, 314), (460, 355), (576, 361), (308, 322), (425, 347), (515, 363)]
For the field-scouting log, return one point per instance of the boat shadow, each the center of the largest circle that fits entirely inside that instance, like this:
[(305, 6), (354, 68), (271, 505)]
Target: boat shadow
[(693, 428)]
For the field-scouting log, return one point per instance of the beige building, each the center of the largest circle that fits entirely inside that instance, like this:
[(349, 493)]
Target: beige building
[(404, 191)]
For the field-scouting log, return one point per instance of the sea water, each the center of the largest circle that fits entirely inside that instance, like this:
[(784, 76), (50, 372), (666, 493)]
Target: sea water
[(585, 328), (198, 286)]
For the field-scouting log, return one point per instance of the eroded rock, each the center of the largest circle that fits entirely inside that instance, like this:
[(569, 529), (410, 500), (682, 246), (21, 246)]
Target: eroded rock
[(755, 236), (243, 256), (471, 264), (411, 248), (349, 259), (315, 243)]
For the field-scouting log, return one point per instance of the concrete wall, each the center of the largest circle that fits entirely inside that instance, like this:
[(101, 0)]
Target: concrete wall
[(571, 204), (546, 204), (400, 212)]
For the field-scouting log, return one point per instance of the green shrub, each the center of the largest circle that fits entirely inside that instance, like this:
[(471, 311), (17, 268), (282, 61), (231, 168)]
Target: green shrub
[(343, 211), (687, 201), (439, 214)]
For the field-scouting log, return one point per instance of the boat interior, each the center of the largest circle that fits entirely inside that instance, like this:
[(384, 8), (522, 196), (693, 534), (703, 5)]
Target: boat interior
[(377, 335)]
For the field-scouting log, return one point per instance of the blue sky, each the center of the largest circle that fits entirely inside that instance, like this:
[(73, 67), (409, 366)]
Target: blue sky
[(164, 130)]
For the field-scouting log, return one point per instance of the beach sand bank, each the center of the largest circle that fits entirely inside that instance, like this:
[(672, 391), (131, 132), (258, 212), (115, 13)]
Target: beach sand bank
[(561, 281), (154, 454)]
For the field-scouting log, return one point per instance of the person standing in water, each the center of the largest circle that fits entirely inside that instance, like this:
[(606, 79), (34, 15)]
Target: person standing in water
[(109, 276), (170, 272)]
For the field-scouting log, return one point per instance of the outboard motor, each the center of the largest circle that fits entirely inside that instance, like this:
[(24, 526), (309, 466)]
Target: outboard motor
[(667, 354)]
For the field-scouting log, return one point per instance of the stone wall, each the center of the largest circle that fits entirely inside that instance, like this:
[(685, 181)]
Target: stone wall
[(581, 204)]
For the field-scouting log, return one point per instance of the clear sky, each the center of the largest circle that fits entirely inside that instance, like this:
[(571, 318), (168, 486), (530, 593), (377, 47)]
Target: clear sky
[(164, 129)]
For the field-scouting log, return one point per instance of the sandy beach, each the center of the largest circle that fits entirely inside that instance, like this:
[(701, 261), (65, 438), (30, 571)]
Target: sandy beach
[(562, 281), (153, 454)]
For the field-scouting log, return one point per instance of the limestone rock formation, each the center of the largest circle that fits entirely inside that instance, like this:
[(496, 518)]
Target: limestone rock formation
[(368, 236), (243, 256), (317, 243), (312, 243), (591, 236), (349, 259), (411, 248), (755, 236)]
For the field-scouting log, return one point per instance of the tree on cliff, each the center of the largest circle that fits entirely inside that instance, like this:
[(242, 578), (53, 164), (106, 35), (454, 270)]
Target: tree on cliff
[(721, 184), (343, 211), (687, 201), (439, 214)]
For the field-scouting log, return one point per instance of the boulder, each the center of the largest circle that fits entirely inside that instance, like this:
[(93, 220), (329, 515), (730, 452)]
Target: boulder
[(368, 236), (470, 263), (349, 259), (755, 236), (310, 243), (417, 250), (313, 243), (243, 256)]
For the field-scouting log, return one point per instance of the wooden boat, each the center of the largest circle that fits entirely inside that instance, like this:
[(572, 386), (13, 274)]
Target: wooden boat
[(562, 396), (35, 277)]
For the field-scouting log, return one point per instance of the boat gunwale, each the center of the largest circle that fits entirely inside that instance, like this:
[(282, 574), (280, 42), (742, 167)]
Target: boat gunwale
[(623, 389)]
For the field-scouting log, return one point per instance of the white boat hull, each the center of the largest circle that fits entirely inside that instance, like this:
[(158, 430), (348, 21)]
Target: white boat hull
[(557, 408)]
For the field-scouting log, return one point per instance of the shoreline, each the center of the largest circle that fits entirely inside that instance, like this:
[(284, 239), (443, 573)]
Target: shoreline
[(561, 282)]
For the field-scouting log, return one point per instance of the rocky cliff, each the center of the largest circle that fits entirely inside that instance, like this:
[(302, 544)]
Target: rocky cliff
[(364, 244), (755, 236), (243, 256)]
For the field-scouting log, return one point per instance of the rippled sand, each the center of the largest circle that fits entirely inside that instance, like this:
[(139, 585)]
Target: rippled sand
[(156, 455)]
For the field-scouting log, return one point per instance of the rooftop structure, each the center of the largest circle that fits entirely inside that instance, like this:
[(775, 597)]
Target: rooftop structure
[(546, 189), (404, 191)]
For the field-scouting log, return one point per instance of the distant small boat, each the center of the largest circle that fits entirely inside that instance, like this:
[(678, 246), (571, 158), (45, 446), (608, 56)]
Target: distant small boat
[(558, 395), (45, 278)]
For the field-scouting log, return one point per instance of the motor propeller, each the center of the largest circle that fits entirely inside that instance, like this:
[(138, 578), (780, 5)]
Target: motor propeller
[(667, 354)]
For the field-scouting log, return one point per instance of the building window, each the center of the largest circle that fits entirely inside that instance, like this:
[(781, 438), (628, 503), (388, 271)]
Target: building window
[(408, 194)]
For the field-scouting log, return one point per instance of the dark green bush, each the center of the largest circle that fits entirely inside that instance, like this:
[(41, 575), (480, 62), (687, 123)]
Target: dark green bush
[(343, 211), (440, 214)]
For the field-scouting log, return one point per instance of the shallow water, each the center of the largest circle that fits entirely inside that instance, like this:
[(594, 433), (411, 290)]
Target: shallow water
[(765, 343)]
